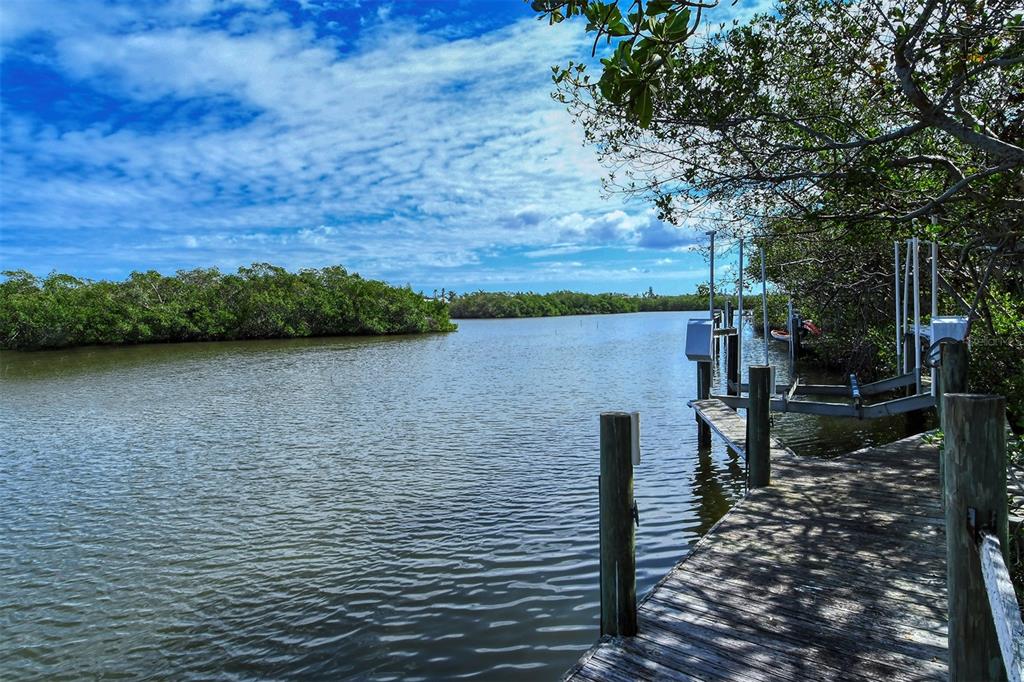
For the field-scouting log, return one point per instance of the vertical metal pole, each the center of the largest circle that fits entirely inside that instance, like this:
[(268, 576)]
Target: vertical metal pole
[(764, 309), (935, 271), (917, 314), (906, 302), (935, 300), (711, 282), (899, 322), (739, 322), (789, 327)]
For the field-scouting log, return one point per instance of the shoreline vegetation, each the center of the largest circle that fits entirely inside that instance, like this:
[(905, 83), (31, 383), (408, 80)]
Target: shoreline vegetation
[(264, 301), (258, 302), (490, 305)]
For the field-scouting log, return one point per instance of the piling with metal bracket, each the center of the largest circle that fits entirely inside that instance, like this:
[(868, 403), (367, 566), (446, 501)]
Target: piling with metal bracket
[(703, 393), (952, 374), (618, 534), (975, 499), (759, 427), (732, 361)]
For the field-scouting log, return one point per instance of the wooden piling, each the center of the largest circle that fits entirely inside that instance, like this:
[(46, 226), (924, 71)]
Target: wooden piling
[(703, 393), (732, 361), (951, 377), (618, 534), (798, 348), (759, 465), (952, 374), (975, 499)]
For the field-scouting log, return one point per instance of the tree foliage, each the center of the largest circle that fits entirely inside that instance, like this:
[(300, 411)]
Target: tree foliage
[(258, 302), (485, 304), (825, 131), (825, 109)]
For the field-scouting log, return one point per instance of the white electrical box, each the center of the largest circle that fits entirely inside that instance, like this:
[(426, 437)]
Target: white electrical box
[(948, 328), (698, 340)]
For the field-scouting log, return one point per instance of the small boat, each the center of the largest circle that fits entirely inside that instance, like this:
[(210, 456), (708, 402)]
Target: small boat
[(811, 327), (780, 335)]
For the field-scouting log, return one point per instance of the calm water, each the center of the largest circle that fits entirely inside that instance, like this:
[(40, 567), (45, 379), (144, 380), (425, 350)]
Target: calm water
[(415, 507)]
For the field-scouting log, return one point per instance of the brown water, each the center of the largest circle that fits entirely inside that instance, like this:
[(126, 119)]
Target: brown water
[(415, 507)]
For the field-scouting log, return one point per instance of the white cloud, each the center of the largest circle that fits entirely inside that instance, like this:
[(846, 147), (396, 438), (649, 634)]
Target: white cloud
[(399, 156)]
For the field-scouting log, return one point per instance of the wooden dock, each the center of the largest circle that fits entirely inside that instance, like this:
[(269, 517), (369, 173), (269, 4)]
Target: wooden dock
[(835, 571)]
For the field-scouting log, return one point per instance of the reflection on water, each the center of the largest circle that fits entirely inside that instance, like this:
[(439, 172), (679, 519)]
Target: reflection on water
[(407, 507)]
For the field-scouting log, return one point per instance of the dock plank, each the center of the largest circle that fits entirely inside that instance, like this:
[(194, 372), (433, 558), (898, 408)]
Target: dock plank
[(835, 571)]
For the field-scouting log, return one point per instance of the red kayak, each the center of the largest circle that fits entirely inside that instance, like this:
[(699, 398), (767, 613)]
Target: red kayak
[(806, 325)]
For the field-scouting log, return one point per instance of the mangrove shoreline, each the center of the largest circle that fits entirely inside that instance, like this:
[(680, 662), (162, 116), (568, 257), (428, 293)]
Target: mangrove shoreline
[(258, 302)]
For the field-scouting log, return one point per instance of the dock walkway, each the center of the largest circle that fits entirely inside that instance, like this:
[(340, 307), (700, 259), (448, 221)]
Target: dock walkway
[(835, 571)]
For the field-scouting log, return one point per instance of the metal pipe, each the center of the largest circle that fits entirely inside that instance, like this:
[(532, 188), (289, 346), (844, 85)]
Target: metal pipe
[(789, 326), (917, 313), (935, 299), (739, 322), (764, 306), (711, 283), (906, 303), (899, 322)]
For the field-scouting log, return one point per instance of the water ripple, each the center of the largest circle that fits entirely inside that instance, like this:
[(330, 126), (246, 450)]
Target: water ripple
[(402, 508)]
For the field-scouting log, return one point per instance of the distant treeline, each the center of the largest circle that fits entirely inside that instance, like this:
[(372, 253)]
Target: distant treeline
[(483, 304), (258, 302)]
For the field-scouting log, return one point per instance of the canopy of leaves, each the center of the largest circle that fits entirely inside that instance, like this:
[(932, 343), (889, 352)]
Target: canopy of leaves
[(484, 304), (825, 131), (259, 302)]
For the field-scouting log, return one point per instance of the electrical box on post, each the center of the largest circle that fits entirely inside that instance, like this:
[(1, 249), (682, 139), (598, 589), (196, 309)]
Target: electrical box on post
[(698, 340), (947, 328)]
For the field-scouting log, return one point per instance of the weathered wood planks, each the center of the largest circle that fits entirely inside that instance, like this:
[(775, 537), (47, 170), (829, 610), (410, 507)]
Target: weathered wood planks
[(835, 571)]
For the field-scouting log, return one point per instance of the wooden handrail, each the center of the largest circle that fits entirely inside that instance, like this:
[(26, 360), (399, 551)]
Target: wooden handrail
[(1002, 601)]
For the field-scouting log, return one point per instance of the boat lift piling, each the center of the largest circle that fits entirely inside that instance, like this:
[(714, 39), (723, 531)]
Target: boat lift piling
[(792, 398), (906, 304), (739, 320), (899, 320), (764, 309), (917, 315)]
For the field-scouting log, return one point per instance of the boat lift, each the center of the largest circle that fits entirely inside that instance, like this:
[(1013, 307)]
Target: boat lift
[(701, 334)]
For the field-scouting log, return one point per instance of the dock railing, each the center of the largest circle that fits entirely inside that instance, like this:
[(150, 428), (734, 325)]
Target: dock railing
[(986, 635), (1002, 602)]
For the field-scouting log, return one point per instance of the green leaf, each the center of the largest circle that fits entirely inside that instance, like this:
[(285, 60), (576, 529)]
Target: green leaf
[(642, 107), (656, 7), (678, 25)]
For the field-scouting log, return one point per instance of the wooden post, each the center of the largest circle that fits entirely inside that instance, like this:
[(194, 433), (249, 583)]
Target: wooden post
[(759, 465), (719, 323), (703, 393), (792, 333), (952, 374), (798, 348), (950, 378), (732, 361), (975, 479), (618, 534)]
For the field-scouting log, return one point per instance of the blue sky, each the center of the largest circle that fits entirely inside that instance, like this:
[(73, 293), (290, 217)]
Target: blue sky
[(414, 142)]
